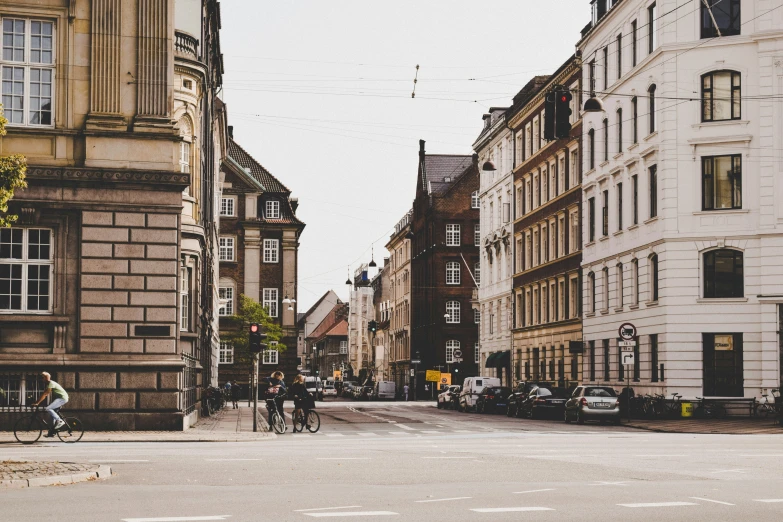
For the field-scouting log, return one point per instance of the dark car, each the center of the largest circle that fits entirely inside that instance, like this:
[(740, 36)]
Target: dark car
[(518, 396), (493, 399), (543, 402)]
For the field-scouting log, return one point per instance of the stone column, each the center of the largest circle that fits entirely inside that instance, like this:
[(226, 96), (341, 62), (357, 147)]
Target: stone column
[(252, 264), (289, 245), (106, 36), (155, 66)]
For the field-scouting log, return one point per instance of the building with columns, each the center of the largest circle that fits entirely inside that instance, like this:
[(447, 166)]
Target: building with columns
[(111, 268), (682, 190), (399, 248)]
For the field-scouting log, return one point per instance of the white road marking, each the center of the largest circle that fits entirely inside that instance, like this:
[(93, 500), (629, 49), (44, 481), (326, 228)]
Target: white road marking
[(713, 501), (530, 491), (768, 500), (510, 509), (353, 514), (230, 460), (430, 432), (403, 426), (176, 519), (115, 461), (399, 433), (441, 499), (603, 483), (728, 471), (660, 455), (762, 455), (334, 434), (343, 458), (367, 434), (658, 504), (447, 457), (324, 509)]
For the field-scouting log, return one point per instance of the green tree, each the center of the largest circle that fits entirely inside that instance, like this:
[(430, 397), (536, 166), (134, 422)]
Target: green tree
[(12, 176), (250, 311)]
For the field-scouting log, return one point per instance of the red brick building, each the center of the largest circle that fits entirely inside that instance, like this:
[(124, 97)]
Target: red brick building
[(444, 246)]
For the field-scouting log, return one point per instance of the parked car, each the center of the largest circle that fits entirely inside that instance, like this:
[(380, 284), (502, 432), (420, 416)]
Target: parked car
[(348, 387), (384, 390), (446, 397), (493, 399), (544, 401), (362, 393), (315, 386), (471, 388), (518, 396), (330, 391), (593, 403)]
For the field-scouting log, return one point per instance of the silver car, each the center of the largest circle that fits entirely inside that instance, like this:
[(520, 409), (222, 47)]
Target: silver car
[(593, 403)]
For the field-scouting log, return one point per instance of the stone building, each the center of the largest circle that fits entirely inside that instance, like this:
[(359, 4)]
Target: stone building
[(682, 189), (329, 342), (399, 248), (381, 308), (360, 312), (443, 257), (547, 235), (259, 248), (110, 269), (309, 321)]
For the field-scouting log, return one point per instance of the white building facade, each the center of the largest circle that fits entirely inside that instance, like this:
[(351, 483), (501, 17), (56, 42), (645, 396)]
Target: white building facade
[(683, 225)]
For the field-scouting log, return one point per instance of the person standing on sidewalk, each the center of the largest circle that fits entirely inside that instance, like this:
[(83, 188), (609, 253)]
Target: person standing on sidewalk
[(405, 391), (275, 390), (59, 399), (236, 393)]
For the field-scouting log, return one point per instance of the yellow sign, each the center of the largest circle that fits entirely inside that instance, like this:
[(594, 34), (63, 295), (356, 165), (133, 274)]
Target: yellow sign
[(724, 342), (445, 378), (433, 375), (336, 374)]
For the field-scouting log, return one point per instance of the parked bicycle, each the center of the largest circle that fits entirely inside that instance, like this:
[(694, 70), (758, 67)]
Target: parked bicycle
[(667, 408), (709, 409), (764, 408), (28, 429), (278, 421)]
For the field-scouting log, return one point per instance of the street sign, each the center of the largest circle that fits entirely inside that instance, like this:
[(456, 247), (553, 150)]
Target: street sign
[(445, 378), (627, 349), (457, 353), (432, 376), (415, 361), (413, 372), (626, 344), (627, 331), (628, 358)]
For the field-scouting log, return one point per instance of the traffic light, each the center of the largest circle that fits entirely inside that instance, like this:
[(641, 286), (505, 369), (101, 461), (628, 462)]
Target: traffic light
[(372, 326), (549, 115), (255, 344), (563, 113)]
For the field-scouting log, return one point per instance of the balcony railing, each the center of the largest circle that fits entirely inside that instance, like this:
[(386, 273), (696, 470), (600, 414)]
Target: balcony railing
[(186, 44)]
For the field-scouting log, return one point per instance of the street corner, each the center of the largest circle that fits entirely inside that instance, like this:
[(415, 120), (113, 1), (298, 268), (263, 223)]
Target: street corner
[(16, 474)]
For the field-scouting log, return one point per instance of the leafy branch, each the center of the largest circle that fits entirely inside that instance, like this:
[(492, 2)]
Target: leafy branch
[(12, 176)]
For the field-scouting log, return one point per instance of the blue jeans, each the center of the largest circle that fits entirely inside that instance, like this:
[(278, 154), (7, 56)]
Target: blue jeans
[(56, 403)]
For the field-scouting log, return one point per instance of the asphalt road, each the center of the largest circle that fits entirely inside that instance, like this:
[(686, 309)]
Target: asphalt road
[(405, 461)]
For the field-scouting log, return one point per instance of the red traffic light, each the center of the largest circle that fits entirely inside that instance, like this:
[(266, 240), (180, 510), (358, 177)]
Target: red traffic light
[(254, 328), (564, 98)]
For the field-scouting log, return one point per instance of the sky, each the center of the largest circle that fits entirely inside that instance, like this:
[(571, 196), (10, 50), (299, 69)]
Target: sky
[(319, 92)]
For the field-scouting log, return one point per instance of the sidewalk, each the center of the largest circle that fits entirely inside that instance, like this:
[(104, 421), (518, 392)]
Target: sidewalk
[(729, 426), (229, 425), (25, 474)]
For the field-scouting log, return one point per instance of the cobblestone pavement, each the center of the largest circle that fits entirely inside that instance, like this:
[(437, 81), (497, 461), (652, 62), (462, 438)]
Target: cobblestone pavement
[(733, 426)]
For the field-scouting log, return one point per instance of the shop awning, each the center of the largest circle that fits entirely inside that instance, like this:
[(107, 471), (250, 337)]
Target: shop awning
[(491, 359), (498, 359)]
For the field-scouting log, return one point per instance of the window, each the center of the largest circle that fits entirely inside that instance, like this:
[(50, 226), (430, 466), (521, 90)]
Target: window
[(591, 211), (654, 277), (477, 273), (226, 355), (633, 43), (270, 357), (343, 347), (606, 67), (619, 206), (26, 270), (606, 139), (591, 144), (605, 298), (591, 365), (653, 170), (591, 77), (452, 273), (451, 347), (651, 99), (605, 214), (476, 353), (474, 200), (226, 249), (721, 182), (20, 389), (652, 24), (227, 207), (635, 199), (635, 281), (720, 96), (271, 250), (726, 14), (575, 238), (453, 312), (635, 119), (620, 301), (226, 293), (591, 290), (477, 316), (452, 235), (654, 357), (619, 131), (270, 301), (607, 367), (476, 235), (619, 56), (723, 274), (272, 210), (184, 157), (184, 299), (28, 71)]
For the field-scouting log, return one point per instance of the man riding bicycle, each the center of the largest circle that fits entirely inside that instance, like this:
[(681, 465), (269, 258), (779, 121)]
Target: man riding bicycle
[(276, 392), (59, 399)]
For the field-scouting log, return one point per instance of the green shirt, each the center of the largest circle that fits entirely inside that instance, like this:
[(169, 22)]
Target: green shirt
[(57, 391)]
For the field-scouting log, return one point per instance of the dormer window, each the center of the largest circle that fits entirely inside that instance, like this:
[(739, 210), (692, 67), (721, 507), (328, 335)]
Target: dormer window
[(447, 180), (272, 209)]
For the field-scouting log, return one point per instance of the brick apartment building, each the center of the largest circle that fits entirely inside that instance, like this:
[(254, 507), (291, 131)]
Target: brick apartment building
[(445, 249)]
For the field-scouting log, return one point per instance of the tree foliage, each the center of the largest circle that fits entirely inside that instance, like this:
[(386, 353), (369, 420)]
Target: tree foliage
[(12, 176), (250, 311)]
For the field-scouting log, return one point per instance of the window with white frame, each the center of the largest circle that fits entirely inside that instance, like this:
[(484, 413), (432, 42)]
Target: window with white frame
[(184, 299), (28, 71), (453, 235), (343, 347), (271, 250), (474, 200), (270, 356), (226, 353), (270, 301), (477, 316), (184, 157), (227, 207), (452, 273), (476, 354), (21, 389), (453, 312), (451, 347), (477, 273), (26, 266), (476, 235), (226, 293), (272, 209), (226, 249)]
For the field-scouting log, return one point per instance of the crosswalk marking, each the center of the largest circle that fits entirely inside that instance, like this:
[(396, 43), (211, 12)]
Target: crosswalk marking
[(511, 509), (352, 514), (335, 434)]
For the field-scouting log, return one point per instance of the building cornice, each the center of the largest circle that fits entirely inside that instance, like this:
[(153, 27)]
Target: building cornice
[(538, 99), (175, 180)]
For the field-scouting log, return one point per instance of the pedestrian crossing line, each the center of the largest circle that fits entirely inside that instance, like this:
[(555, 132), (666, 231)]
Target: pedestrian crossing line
[(399, 433), (403, 426), (431, 432), (367, 434), (335, 434), (511, 509), (352, 514), (658, 504)]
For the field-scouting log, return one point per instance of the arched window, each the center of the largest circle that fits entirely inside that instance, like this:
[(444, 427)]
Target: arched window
[(591, 144), (651, 99), (452, 273), (724, 274), (620, 285), (591, 290), (474, 200), (451, 348), (654, 277), (453, 312), (720, 96)]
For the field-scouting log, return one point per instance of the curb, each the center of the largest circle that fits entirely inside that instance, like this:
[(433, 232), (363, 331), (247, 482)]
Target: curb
[(103, 472)]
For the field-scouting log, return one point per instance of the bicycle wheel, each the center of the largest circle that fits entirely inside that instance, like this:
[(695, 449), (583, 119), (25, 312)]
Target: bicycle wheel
[(299, 421), (72, 431), (719, 412), (28, 429), (313, 421), (278, 424)]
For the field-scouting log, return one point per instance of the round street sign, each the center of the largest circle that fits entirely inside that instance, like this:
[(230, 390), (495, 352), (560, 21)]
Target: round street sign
[(627, 331), (457, 353)]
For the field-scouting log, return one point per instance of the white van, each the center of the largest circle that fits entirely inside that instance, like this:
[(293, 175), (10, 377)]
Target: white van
[(315, 386), (471, 389), (385, 390)]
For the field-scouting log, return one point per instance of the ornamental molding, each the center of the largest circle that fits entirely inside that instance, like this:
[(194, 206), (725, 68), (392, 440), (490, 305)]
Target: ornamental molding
[(69, 174)]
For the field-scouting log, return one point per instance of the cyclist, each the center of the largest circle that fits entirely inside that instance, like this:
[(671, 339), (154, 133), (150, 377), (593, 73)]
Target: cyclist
[(276, 391), (302, 398), (60, 399)]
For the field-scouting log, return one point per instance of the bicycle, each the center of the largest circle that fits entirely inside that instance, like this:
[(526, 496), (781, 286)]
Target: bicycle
[(306, 418), (765, 408), (278, 421), (28, 429), (709, 410)]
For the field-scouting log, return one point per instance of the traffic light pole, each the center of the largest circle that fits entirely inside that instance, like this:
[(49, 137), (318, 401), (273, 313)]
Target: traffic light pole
[(255, 392)]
